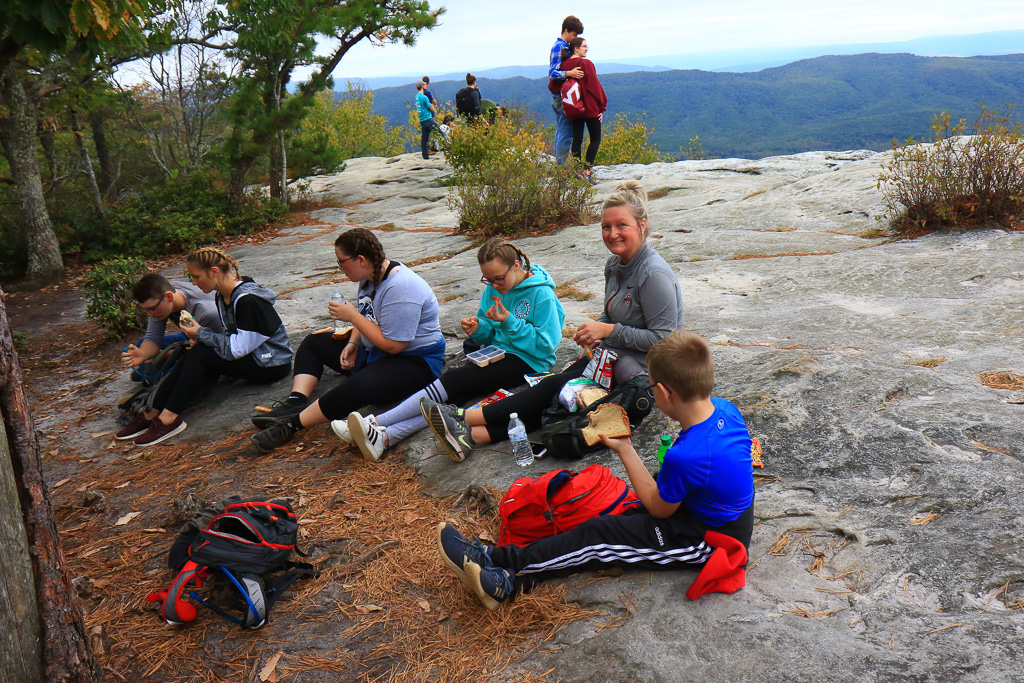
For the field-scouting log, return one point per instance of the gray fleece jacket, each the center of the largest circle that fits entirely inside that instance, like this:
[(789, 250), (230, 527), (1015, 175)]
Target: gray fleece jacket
[(251, 325), (643, 300)]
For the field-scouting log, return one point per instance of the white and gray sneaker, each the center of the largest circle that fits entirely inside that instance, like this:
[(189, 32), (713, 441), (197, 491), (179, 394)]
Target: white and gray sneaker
[(340, 428), (367, 435)]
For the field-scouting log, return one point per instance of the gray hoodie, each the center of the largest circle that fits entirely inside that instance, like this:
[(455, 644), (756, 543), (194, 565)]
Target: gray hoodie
[(643, 300), (251, 326)]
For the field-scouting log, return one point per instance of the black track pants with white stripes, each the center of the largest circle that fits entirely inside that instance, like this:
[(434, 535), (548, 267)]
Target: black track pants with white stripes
[(635, 539)]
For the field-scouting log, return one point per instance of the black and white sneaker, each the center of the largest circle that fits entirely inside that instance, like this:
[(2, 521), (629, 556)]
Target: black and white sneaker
[(367, 435)]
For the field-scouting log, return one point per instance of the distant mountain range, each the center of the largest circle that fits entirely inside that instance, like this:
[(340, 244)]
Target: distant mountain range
[(827, 103), (750, 59)]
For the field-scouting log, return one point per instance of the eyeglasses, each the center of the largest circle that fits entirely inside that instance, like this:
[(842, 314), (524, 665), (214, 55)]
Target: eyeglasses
[(342, 261), (498, 280), (650, 387), (151, 309)]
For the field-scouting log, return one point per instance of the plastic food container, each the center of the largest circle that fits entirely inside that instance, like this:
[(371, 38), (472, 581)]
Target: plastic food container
[(486, 355)]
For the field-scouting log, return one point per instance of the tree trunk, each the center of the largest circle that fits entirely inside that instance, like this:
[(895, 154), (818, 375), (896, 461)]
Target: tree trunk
[(18, 137), (275, 170), (21, 652), (66, 656), (99, 139), (83, 152), (49, 151)]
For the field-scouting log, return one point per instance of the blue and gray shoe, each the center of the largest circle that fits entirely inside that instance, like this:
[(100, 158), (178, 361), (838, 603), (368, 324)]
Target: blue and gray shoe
[(448, 423), (492, 585), (457, 551)]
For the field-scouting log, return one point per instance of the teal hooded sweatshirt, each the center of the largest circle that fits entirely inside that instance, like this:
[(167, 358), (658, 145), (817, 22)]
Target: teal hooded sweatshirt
[(533, 328)]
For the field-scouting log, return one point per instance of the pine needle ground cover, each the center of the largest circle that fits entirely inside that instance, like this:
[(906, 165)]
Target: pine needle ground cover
[(385, 607)]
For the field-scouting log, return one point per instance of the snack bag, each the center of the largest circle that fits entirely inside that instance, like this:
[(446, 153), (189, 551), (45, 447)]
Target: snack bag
[(599, 369)]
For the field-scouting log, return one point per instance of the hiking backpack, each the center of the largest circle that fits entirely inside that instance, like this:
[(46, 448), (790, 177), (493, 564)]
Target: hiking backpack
[(562, 431), (573, 101), (559, 501), (464, 102), (239, 548), (156, 371)]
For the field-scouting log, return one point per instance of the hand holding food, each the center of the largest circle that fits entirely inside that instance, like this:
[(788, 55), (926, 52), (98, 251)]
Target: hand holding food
[(497, 312), (590, 333), (470, 325), (609, 420)]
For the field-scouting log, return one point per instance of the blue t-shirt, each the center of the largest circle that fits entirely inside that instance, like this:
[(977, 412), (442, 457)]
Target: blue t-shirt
[(423, 107), (708, 467), (405, 309)]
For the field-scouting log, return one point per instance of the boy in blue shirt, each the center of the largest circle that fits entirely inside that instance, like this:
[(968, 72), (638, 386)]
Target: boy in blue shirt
[(706, 485)]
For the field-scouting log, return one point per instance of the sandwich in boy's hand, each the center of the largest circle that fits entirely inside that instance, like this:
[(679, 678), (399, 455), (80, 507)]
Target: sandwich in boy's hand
[(608, 419)]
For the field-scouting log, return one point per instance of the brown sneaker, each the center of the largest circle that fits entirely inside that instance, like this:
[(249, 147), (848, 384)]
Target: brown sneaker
[(136, 426), (158, 431)]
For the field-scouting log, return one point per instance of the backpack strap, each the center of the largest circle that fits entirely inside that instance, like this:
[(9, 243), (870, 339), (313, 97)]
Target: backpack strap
[(175, 610), (296, 572)]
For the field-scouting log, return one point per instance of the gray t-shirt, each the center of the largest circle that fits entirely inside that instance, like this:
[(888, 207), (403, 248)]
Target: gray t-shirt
[(404, 307), (202, 306)]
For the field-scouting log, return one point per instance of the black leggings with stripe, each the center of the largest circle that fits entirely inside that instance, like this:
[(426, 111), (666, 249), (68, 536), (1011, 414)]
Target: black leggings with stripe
[(635, 539)]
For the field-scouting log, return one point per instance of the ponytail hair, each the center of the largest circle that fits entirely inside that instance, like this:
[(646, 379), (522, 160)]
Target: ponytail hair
[(208, 257), (504, 251), (631, 194), (361, 242)]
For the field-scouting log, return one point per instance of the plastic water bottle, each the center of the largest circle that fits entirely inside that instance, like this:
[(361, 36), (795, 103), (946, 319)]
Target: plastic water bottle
[(338, 297), (666, 443), (520, 444)]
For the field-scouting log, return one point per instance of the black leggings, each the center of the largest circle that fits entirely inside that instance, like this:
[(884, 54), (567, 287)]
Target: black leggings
[(528, 403), (594, 127), (468, 381), (318, 351), (385, 380), (198, 372)]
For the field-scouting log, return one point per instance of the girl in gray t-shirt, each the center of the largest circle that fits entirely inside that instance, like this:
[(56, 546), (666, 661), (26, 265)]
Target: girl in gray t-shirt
[(396, 346)]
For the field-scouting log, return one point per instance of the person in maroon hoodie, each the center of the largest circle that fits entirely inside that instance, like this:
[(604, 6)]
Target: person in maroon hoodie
[(594, 99)]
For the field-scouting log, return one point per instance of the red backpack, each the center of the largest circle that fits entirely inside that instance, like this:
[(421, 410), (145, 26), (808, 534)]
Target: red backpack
[(559, 501)]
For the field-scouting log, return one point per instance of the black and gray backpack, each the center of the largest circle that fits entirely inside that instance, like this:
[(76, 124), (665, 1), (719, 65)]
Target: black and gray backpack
[(246, 547), (562, 431)]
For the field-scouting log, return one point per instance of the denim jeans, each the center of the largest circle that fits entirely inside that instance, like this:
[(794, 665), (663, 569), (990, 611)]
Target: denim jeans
[(563, 131), (425, 127)]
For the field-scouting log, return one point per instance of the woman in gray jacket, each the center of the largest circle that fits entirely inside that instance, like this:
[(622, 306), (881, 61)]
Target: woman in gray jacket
[(642, 304)]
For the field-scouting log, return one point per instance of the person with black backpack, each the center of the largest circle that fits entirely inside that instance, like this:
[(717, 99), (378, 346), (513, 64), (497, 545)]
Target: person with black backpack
[(467, 100), (643, 304)]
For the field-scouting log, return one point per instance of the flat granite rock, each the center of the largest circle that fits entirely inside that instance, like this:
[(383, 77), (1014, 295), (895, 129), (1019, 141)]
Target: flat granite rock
[(889, 513)]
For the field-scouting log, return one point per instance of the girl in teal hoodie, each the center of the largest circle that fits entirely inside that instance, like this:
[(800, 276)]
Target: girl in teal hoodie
[(519, 313)]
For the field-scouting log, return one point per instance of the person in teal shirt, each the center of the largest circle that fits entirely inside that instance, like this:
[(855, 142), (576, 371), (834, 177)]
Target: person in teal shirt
[(426, 112), (519, 313)]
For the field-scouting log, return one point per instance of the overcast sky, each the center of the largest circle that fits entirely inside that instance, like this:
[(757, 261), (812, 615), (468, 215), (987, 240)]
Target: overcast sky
[(480, 34)]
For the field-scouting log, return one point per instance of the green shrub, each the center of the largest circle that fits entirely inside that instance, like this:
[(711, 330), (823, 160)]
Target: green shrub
[(336, 129), (694, 150), (628, 143), (956, 179), (187, 212), (504, 184), (108, 286)]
